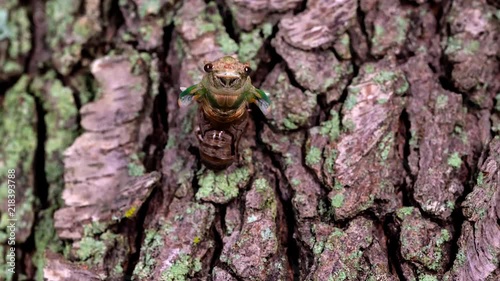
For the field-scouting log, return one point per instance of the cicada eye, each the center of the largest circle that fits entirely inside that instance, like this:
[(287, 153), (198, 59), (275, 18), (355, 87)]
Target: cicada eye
[(208, 67), (248, 70)]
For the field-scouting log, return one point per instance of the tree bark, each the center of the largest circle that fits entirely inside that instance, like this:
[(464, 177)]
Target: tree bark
[(379, 158)]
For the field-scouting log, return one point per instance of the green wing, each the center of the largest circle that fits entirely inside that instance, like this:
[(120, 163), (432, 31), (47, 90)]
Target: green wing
[(188, 94), (261, 99)]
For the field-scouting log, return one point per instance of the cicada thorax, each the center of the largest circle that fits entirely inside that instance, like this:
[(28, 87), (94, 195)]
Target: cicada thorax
[(219, 136)]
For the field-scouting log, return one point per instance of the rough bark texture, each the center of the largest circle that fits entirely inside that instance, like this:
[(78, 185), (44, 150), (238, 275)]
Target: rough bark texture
[(379, 158)]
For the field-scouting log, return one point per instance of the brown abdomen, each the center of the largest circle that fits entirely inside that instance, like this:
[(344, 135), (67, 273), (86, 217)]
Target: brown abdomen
[(219, 141)]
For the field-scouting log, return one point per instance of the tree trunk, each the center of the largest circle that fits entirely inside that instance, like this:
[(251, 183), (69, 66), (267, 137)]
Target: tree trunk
[(379, 158)]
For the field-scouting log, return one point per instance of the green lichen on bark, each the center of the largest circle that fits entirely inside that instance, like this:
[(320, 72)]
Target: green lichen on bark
[(15, 39), (17, 151), (221, 186)]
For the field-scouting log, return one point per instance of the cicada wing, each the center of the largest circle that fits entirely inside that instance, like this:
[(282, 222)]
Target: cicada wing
[(188, 95), (262, 100)]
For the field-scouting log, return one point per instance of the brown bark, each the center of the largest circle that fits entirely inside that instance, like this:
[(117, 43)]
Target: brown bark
[(379, 158)]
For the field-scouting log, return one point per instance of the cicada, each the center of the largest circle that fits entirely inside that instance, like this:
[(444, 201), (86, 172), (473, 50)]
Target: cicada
[(224, 94)]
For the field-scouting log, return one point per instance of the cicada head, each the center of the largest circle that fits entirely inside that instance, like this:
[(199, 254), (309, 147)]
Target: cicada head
[(226, 74)]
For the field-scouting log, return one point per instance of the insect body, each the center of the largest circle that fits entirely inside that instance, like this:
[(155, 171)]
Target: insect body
[(224, 94)]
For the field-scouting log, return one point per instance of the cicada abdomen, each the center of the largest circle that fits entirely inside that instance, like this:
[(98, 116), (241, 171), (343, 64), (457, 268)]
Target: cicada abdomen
[(219, 140)]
